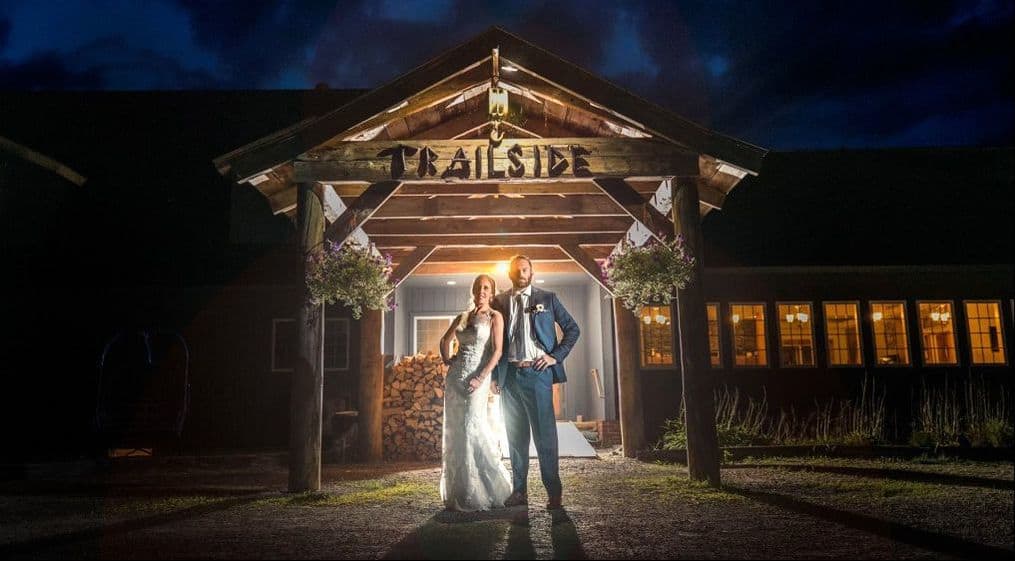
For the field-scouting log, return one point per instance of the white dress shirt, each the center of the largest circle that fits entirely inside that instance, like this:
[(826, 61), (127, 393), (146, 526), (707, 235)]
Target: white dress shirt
[(528, 348)]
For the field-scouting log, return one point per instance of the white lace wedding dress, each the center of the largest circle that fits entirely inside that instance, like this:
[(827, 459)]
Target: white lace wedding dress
[(473, 477)]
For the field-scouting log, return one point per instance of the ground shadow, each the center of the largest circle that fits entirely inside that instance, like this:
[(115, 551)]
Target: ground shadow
[(475, 535), (883, 473), (117, 528), (934, 541)]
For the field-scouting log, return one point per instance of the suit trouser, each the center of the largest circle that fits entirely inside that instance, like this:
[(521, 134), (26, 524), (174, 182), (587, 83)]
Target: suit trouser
[(527, 402)]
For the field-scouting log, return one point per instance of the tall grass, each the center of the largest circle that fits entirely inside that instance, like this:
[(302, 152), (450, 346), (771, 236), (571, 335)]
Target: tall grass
[(745, 421), (971, 414)]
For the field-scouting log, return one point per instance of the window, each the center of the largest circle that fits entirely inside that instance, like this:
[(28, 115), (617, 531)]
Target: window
[(842, 329), (336, 344), (656, 336), (427, 333), (796, 334), (283, 344), (714, 347), (284, 340), (937, 332), (986, 339), (891, 342), (748, 322)]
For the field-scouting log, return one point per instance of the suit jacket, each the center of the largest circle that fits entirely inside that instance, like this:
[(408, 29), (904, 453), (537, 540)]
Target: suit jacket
[(541, 324)]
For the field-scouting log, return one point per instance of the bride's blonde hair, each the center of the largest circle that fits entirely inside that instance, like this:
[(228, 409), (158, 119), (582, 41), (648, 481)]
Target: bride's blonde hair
[(465, 317)]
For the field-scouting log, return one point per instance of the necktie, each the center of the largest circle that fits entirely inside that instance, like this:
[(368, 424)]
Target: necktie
[(518, 333)]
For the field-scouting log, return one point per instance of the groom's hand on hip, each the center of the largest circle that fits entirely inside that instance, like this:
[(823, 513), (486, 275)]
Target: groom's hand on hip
[(544, 361), (494, 387)]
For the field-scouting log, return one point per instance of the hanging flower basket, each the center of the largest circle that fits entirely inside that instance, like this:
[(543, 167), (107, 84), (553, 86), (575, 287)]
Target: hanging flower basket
[(351, 274), (650, 274)]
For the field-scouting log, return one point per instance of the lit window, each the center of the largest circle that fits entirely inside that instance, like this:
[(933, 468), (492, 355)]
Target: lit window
[(796, 334), (715, 356), (656, 336), (336, 344), (937, 332), (428, 332), (891, 344), (986, 339), (748, 323), (842, 328)]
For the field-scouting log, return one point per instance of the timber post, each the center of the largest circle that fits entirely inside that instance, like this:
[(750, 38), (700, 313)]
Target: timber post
[(632, 421), (371, 386), (307, 387), (692, 323)]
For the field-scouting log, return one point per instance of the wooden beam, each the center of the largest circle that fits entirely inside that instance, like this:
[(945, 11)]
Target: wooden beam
[(491, 267), (632, 419), (487, 226), (529, 206), (495, 254), (587, 263), (692, 322), (45, 162), (361, 211), (307, 385), (371, 387), (499, 239), (476, 160), (634, 204), (644, 186), (409, 264)]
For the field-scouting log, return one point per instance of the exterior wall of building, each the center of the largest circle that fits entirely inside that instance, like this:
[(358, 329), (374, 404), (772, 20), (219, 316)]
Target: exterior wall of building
[(801, 387)]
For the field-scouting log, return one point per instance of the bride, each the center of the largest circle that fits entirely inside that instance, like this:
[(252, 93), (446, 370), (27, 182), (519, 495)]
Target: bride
[(472, 477)]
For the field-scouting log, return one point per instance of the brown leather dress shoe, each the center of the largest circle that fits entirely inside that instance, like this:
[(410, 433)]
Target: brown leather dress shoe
[(516, 499), (554, 503)]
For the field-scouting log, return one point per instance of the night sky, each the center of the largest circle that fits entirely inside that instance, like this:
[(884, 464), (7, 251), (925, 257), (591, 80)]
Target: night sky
[(793, 75)]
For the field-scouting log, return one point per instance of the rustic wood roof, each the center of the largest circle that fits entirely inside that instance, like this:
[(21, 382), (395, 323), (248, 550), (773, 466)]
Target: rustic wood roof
[(459, 69)]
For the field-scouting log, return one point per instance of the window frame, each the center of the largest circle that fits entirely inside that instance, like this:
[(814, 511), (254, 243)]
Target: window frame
[(347, 342), (814, 346), (274, 339), (1001, 336), (641, 343), (718, 334), (905, 324), (955, 335), (733, 335), (859, 333), (415, 331)]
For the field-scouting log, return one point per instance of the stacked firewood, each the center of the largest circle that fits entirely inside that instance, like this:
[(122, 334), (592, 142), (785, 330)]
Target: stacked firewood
[(414, 408)]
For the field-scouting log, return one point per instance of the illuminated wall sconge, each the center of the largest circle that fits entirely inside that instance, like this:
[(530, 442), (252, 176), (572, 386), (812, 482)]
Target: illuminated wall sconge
[(452, 283), (736, 318), (498, 103), (647, 320), (945, 316), (935, 316), (803, 317), (876, 316), (661, 319), (790, 318)]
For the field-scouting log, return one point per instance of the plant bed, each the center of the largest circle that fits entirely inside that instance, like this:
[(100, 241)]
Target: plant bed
[(737, 453)]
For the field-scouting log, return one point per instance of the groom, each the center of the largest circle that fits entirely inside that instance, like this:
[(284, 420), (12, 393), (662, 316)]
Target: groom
[(531, 363)]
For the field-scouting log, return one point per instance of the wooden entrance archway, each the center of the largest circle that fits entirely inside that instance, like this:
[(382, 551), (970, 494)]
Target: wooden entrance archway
[(494, 148)]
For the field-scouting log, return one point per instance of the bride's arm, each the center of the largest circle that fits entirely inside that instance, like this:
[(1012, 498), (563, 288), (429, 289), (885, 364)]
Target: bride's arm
[(447, 338), (497, 331)]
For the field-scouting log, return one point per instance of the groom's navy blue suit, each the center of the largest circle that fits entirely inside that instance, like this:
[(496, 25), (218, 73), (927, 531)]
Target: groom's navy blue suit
[(527, 394)]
